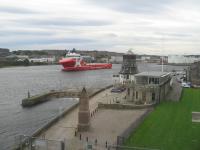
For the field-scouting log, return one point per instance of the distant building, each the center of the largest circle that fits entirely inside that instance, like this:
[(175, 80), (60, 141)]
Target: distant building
[(4, 52), (149, 87), (183, 59), (18, 57), (148, 58), (129, 68), (116, 59), (145, 58), (55, 52), (163, 59), (43, 60), (102, 60)]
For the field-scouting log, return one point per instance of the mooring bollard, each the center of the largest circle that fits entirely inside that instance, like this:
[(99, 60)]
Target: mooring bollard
[(62, 145), (95, 141), (80, 137)]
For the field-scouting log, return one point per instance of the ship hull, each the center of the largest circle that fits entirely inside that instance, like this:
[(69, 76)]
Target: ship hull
[(88, 67), (75, 62)]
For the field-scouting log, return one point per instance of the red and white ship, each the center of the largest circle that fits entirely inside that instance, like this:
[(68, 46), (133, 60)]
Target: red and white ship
[(74, 62)]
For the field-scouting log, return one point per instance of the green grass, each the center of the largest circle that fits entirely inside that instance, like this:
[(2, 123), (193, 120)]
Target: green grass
[(169, 126)]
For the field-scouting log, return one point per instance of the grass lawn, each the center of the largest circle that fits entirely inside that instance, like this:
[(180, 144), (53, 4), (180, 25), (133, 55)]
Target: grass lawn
[(169, 126)]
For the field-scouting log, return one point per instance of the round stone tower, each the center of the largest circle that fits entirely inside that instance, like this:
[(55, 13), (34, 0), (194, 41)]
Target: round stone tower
[(129, 67)]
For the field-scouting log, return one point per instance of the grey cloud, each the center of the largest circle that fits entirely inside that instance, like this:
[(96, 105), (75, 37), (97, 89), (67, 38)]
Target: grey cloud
[(174, 34), (24, 33), (45, 41), (111, 35), (63, 22), (134, 6), (16, 10)]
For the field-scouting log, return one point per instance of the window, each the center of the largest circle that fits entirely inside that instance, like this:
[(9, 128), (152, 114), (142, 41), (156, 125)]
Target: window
[(153, 96), (136, 94), (153, 80), (127, 77)]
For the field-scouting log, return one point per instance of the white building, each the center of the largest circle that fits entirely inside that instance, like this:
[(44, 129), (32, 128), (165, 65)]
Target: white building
[(116, 59), (181, 59), (43, 60), (145, 58)]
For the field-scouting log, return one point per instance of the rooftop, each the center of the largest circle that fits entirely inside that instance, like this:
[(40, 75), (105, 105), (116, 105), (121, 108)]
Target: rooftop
[(152, 74)]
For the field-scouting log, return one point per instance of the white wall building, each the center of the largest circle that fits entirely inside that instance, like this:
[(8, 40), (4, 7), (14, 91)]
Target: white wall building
[(116, 59), (181, 59), (44, 60)]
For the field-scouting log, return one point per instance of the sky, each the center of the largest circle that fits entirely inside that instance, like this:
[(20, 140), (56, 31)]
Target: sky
[(145, 26)]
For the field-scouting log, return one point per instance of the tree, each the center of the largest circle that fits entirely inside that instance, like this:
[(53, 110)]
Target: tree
[(26, 62)]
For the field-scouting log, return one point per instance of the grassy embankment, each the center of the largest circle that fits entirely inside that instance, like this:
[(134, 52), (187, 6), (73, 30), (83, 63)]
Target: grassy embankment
[(169, 126)]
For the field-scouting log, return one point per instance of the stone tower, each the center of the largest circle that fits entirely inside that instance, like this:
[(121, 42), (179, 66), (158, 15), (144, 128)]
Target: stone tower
[(129, 67), (84, 112)]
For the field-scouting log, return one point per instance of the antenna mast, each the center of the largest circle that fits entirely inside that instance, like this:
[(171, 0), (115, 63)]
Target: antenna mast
[(162, 52)]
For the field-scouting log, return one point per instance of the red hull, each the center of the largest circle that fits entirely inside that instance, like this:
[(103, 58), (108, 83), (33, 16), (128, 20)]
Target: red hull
[(69, 64), (88, 67)]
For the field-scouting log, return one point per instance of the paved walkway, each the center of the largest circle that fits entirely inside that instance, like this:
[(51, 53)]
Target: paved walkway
[(105, 124), (66, 126)]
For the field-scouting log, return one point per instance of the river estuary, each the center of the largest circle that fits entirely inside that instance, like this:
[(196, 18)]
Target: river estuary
[(15, 82)]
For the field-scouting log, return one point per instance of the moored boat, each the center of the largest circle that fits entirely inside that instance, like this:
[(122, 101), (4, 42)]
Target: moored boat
[(75, 62)]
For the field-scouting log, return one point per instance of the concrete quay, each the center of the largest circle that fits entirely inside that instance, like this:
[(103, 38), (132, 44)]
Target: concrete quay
[(106, 124)]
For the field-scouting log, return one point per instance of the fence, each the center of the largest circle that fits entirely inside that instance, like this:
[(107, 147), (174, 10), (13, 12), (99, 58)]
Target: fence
[(117, 147), (23, 142)]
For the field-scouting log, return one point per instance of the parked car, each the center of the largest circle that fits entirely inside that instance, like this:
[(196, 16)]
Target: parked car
[(185, 85), (118, 90)]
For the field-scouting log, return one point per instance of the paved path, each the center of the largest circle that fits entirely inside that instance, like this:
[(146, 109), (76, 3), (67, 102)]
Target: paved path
[(105, 124), (66, 126)]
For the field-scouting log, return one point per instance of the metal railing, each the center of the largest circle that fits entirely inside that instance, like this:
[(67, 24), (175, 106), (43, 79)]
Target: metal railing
[(23, 142)]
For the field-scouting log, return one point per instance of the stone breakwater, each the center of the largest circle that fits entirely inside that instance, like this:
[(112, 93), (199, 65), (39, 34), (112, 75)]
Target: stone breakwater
[(37, 99)]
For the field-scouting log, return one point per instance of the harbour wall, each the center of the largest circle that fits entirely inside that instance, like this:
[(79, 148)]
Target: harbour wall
[(37, 99)]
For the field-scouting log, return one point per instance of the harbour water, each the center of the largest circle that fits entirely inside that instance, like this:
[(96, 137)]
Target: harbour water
[(15, 82)]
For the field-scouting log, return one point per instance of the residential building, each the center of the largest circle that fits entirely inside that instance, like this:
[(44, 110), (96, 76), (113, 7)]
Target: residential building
[(183, 59), (116, 59), (43, 60), (4, 52)]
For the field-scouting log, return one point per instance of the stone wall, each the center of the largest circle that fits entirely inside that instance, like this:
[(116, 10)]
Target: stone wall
[(124, 106), (194, 73)]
